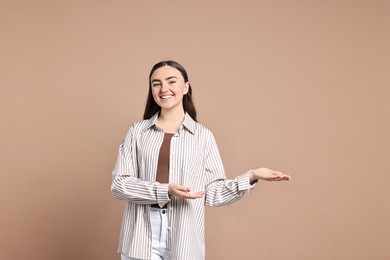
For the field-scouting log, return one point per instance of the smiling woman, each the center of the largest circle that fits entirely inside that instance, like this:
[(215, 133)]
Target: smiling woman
[(168, 169), (168, 89), (180, 73)]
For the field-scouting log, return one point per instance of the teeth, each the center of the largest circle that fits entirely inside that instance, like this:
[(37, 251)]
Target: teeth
[(165, 97)]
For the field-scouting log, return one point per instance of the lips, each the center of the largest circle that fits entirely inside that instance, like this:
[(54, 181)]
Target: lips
[(166, 96)]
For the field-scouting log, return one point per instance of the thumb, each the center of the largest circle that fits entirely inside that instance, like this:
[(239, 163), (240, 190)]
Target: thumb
[(185, 189)]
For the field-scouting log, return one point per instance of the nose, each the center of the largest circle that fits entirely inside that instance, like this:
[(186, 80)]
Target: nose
[(164, 87)]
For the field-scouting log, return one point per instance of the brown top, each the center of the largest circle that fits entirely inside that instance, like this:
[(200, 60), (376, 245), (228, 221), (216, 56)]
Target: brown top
[(162, 175), (163, 160)]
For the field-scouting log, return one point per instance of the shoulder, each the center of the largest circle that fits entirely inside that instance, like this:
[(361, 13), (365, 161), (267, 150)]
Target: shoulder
[(138, 127), (200, 128), (203, 133), (195, 128), (141, 125)]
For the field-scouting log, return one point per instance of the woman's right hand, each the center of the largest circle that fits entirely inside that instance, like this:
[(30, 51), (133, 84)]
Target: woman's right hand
[(180, 191)]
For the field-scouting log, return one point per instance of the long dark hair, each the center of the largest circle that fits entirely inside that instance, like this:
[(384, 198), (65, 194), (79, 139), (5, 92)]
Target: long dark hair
[(152, 108)]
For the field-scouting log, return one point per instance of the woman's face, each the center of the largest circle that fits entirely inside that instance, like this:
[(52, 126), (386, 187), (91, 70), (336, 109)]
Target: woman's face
[(168, 87)]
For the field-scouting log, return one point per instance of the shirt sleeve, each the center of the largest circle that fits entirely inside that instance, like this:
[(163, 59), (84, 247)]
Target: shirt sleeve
[(219, 190), (125, 183)]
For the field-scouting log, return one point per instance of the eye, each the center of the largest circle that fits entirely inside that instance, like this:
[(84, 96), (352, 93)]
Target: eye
[(156, 84), (172, 82)]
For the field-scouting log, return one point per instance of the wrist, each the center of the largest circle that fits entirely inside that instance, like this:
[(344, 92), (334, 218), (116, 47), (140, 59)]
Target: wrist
[(252, 177)]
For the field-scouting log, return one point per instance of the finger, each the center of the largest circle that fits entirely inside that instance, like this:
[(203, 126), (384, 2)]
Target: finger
[(284, 178), (279, 174), (197, 195), (275, 178), (188, 196)]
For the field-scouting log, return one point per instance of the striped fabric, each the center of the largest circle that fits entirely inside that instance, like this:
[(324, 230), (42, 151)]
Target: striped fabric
[(194, 162)]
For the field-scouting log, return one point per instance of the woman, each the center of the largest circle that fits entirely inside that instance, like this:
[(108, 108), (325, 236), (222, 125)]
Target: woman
[(168, 169)]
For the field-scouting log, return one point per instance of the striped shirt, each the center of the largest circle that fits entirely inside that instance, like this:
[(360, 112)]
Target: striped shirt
[(195, 162)]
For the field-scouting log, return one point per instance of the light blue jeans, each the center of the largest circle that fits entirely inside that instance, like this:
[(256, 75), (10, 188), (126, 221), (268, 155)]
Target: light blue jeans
[(159, 221)]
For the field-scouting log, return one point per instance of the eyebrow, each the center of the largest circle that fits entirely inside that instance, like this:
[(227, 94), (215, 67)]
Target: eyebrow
[(165, 79)]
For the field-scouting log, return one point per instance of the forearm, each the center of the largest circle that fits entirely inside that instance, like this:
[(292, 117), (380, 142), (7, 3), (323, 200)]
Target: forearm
[(125, 187), (224, 192)]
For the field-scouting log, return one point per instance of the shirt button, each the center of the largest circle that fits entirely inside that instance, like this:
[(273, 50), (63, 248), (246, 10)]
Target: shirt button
[(163, 211)]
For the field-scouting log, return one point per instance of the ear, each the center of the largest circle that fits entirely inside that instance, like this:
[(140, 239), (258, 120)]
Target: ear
[(187, 87)]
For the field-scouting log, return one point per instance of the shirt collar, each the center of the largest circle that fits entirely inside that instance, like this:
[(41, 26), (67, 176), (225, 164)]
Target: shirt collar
[(151, 121), (188, 123)]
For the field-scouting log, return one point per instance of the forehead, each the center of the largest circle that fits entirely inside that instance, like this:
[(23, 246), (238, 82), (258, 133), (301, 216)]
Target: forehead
[(166, 72)]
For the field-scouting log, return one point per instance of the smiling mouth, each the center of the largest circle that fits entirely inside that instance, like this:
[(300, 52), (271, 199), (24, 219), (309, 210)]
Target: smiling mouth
[(166, 96)]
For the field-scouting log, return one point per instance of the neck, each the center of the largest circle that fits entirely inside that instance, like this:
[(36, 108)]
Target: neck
[(170, 120), (172, 115)]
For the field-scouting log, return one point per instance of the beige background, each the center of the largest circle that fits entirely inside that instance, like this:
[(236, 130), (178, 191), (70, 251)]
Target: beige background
[(299, 86)]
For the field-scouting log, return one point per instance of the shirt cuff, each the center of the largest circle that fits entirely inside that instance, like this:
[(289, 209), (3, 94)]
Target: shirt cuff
[(244, 182), (162, 194)]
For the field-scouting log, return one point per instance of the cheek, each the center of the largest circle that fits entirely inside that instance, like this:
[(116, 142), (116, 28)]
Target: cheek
[(181, 89), (155, 93), (155, 96)]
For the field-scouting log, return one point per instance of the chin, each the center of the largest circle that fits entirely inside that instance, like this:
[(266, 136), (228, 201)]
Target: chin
[(168, 107)]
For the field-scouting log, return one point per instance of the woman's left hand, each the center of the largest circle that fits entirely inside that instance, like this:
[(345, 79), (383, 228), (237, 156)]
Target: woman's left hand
[(268, 175)]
